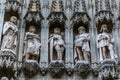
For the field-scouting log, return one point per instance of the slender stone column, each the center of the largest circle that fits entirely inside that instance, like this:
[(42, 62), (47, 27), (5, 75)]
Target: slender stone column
[(118, 39), (116, 36), (93, 42), (44, 36), (93, 34), (2, 11), (44, 43), (69, 44), (69, 35), (21, 41)]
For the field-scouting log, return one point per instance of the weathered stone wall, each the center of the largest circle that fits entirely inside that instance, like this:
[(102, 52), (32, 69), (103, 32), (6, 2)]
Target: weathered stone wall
[(68, 15)]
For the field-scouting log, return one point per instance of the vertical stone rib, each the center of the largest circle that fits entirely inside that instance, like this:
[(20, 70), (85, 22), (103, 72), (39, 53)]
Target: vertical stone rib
[(2, 11)]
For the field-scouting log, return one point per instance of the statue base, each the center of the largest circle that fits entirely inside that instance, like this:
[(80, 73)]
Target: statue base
[(30, 68), (107, 69), (82, 68), (56, 68)]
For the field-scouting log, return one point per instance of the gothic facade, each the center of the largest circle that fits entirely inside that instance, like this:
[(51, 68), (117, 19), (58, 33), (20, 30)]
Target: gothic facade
[(59, 39)]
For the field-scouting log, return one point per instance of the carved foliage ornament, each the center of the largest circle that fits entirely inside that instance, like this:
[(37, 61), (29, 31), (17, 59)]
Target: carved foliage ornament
[(108, 69), (30, 68), (43, 68), (68, 4), (102, 5), (34, 6), (8, 66), (56, 69), (15, 5), (69, 68), (33, 12), (80, 6), (103, 15), (80, 16), (82, 68), (57, 6), (57, 16)]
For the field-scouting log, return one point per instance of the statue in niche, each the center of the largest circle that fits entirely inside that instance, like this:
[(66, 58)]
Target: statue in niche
[(10, 35), (105, 44), (32, 45), (82, 46), (57, 45)]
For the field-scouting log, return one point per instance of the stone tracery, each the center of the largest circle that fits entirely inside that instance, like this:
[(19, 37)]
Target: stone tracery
[(51, 20)]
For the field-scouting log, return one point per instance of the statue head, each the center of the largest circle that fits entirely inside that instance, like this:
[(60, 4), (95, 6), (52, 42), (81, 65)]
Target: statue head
[(4, 78), (32, 29), (13, 19), (104, 28), (81, 30), (57, 30)]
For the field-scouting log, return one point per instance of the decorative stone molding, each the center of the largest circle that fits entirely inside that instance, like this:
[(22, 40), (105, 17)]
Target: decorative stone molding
[(43, 68), (68, 4), (95, 72), (68, 15), (33, 12), (101, 15), (19, 67), (102, 5), (118, 70), (69, 68), (80, 6), (80, 17), (105, 5), (94, 67), (82, 68), (8, 64), (15, 5), (33, 16), (57, 6), (30, 68), (107, 69), (57, 16), (34, 6), (56, 69)]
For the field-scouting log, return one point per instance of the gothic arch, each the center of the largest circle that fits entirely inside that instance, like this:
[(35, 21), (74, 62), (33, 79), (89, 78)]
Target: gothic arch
[(104, 17), (12, 8), (55, 24)]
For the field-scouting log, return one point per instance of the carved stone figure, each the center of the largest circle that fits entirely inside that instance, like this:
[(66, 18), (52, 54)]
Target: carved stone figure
[(32, 44), (82, 47), (57, 45), (105, 44), (4, 78), (10, 35)]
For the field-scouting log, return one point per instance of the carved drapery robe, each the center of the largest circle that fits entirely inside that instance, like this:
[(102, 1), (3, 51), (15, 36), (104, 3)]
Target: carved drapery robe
[(57, 46), (82, 47), (105, 46), (32, 44), (10, 36)]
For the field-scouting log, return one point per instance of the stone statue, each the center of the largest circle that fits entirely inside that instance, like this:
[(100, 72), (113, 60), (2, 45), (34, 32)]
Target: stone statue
[(32, 45), (105, 44), (57, 45), (10, 35), (4, 78), (82, 46)]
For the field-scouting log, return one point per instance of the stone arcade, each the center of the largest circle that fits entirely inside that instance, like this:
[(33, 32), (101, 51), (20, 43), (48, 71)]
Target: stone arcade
[(59, 39)]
